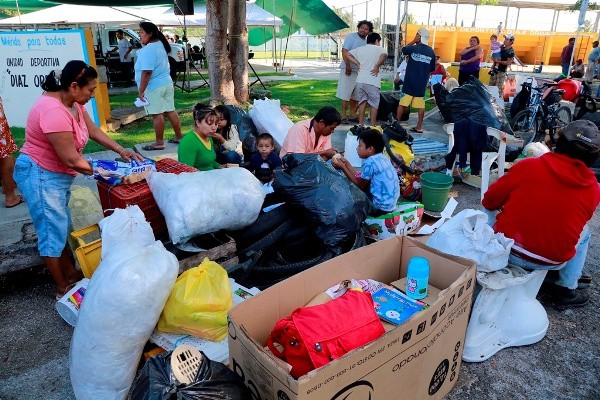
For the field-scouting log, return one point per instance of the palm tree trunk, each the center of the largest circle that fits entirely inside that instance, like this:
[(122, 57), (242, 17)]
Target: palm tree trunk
[(238, 49), (219, 66)]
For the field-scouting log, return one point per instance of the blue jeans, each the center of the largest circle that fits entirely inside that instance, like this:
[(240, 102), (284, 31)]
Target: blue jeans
[(47, 196), (569, 272), (565, 68), (225, 156)]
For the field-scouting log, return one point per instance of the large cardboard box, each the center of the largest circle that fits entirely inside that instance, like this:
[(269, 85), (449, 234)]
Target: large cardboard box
[(417, 360)]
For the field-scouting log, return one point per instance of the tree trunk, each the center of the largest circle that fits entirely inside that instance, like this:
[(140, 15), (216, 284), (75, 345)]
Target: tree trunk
[(219, 66), (238, 49)]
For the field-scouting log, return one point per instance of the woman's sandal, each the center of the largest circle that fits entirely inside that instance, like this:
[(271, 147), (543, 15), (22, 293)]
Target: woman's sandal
[(152, 147), (59, 295), (174, 141), (21, 201)]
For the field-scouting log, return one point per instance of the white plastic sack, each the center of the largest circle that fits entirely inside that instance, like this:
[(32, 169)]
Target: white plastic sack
[(121, 307), (268, 117), (468, 235), (535, 149), (194, 203)]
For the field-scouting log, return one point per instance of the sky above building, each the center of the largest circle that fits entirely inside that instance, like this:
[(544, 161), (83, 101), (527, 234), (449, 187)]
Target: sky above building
[(487, 16)]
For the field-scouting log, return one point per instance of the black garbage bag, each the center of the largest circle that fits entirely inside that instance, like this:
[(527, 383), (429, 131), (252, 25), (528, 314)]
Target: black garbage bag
[(213, 381), (335, 204), (472, 100), (243, 122), (521, 100), (441, 100), (388, 103)]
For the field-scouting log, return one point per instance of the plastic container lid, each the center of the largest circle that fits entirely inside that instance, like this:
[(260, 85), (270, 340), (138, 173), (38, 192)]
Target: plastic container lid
[(418, 267)]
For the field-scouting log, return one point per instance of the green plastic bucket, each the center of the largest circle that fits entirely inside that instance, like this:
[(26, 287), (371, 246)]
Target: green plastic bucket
[(436, 187)]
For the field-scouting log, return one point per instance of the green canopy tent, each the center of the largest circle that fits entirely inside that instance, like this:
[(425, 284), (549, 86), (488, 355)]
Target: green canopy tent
[(9, 7), (313, 15)]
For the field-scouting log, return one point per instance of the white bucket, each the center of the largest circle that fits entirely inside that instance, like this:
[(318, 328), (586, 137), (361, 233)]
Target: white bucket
[(68, 305), (350, 153)]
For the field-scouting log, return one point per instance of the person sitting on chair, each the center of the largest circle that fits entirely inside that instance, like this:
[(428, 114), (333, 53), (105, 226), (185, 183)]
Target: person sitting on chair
[(550, 231), (578, 69)]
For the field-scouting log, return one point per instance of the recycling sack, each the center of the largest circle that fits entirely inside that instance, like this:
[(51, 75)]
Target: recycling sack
[(199, 303), (243, 122), (468, 235), (122, 304), (213, 381), (336, 205), (268, 117), (471, 100), (195, 203)]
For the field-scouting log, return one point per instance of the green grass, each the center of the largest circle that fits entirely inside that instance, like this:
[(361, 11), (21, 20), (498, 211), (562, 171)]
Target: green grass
[(302, 99), (291, 54)]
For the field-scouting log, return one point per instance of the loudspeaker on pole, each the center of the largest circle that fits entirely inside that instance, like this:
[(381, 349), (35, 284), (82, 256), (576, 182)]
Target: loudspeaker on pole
[(183, 7)]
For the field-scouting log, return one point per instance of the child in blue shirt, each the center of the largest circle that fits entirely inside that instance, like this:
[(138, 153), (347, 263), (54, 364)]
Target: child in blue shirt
[(378, 177), (264, 160)]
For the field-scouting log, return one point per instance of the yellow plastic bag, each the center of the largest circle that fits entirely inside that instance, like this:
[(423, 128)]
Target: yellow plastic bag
[(198, 303), (402, 149)]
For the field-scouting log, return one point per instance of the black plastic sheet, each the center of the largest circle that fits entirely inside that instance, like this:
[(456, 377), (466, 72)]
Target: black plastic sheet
[(332, 201), (471, 100), (243, 122)]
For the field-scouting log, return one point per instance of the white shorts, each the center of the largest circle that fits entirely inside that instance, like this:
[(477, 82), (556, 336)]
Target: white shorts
[(369, 93), (162, 99), (346, 84)]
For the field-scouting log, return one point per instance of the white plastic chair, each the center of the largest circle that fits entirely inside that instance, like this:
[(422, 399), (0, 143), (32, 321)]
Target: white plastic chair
[(488, 158)]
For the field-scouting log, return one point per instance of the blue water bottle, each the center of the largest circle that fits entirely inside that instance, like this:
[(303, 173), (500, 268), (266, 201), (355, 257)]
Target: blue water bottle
[(417, 278)]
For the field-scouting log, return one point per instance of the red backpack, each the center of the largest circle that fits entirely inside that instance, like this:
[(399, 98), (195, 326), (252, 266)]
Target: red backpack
[(313, 336)]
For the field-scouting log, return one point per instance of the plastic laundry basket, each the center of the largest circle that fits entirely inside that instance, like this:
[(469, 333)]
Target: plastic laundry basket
[(436, 187)]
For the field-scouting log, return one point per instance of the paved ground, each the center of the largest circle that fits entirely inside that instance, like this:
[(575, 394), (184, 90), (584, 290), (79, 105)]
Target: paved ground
[(34, 341)]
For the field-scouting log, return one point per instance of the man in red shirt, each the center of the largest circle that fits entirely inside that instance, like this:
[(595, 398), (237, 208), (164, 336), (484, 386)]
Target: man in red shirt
[(545, 204)]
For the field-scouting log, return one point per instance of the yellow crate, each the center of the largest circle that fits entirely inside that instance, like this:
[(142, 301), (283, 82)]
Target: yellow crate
[(88, 252)]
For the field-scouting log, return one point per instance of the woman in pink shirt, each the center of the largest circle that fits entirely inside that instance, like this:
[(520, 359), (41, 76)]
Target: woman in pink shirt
[(58, 128)]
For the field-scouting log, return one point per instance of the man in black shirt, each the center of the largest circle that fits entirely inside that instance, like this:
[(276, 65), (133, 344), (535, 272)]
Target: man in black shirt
[(507, 55)]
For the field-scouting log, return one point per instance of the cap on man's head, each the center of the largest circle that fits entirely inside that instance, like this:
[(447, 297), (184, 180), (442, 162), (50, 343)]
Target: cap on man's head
[(424, 33), (583, 133), (510, 37)]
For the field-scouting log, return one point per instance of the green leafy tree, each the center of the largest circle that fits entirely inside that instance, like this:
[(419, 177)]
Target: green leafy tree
[(577, 6), (346, 16)]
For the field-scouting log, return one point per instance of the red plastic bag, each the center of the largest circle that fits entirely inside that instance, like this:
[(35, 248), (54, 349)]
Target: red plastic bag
[(313, 336)]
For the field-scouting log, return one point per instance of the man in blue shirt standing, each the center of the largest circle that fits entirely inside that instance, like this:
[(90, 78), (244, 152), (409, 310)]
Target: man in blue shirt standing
[(349, 71), (421, 62)]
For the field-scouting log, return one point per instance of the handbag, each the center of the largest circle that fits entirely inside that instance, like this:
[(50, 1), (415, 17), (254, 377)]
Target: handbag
[(313, 336)]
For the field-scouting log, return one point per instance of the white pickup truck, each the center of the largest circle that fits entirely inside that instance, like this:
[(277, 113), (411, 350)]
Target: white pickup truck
[(105, 39)]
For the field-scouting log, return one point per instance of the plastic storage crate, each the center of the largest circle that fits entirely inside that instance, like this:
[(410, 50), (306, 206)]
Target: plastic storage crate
[(89, 249), (120, 196)]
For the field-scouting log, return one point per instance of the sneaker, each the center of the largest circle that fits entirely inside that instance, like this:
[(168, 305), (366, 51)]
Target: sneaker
[(564, 298)]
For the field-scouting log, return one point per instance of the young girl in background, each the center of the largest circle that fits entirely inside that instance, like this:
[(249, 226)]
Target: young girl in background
[(227, 140)]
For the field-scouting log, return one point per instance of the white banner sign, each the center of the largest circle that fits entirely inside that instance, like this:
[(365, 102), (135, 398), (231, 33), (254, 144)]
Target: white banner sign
[(25, 60)]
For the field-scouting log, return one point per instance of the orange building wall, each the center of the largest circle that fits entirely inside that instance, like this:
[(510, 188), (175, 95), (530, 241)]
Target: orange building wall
[(530, 46)]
